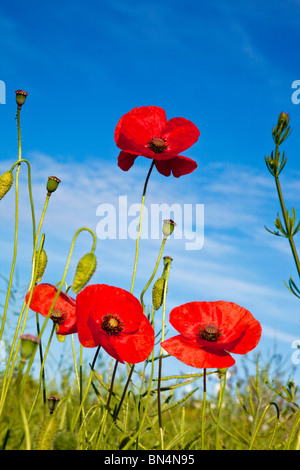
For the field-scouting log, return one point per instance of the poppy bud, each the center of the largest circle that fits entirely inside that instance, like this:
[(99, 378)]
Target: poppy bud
[(52, 402), (158, 293), (65, 440), (168, 227), (283, 118), (28, 344), (21, 96), (6, 181), (41, 266), (84, 271), (52, 184)]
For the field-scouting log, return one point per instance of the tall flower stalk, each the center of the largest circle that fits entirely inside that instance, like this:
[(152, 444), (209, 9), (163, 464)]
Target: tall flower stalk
[(275, 164)]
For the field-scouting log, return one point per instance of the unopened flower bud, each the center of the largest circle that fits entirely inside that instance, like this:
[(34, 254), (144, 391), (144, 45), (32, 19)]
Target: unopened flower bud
[(283, 118), (41, 266), (28, 345), (65, 440), (84, 271), (168, 227), (21, 96), (6, 181), (52, 403), (158, 293), (52, 184)]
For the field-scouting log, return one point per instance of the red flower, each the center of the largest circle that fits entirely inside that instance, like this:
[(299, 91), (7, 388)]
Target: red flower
[(209, 331), (145, 131), (64, 311), (113, 318)]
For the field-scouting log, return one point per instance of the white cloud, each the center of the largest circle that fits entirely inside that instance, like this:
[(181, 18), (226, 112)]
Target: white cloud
[(233, 265)]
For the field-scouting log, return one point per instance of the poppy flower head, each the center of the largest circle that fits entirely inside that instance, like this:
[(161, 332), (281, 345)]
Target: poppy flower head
[(145, 131), (63, 313), (113, 318), (210, 331)]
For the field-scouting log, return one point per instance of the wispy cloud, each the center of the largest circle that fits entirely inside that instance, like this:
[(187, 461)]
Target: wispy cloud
[(232, 265)]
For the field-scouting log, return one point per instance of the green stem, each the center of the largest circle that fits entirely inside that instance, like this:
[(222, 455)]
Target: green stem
[(154, 272), (21, 407), (140, 227), (285, 217), (203, 409), (100, 437), (25, 308), (167, 272), (86, 391), (220, 404), (41, 372), (41, 358)]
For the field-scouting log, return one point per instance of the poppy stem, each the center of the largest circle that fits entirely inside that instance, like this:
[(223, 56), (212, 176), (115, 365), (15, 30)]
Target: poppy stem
[(124, 392), (203, 408), (154, 272), (41, 358), (140, 227), (102, 424), (95, 357), (168, 267)]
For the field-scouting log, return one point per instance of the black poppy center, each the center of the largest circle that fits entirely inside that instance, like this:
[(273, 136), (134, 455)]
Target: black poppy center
[(112, 325), (57, 316), (157, 144), (209, 332)]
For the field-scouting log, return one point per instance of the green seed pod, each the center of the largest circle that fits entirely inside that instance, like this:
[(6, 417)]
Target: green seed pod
[(6, 181), (84, 271), (158, 293), (21, 96), (52, 184), (65, 440), (41, 266), (28, 345), (168, 227)]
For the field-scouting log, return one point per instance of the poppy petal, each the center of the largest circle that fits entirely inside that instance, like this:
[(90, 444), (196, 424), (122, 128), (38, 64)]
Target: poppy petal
[(133, 342), (135, 347), (126, 160), (189, 352), (180, 134), (42, 298), (137, 127), (178, 165)]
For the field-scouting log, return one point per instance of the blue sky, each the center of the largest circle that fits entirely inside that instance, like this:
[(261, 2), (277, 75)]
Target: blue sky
[(228, 67)]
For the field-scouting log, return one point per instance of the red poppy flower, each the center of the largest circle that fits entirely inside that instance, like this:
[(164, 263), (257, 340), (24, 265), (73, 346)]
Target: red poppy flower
[(145, 131), (64, 311), (209, 331), (113, 318)]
